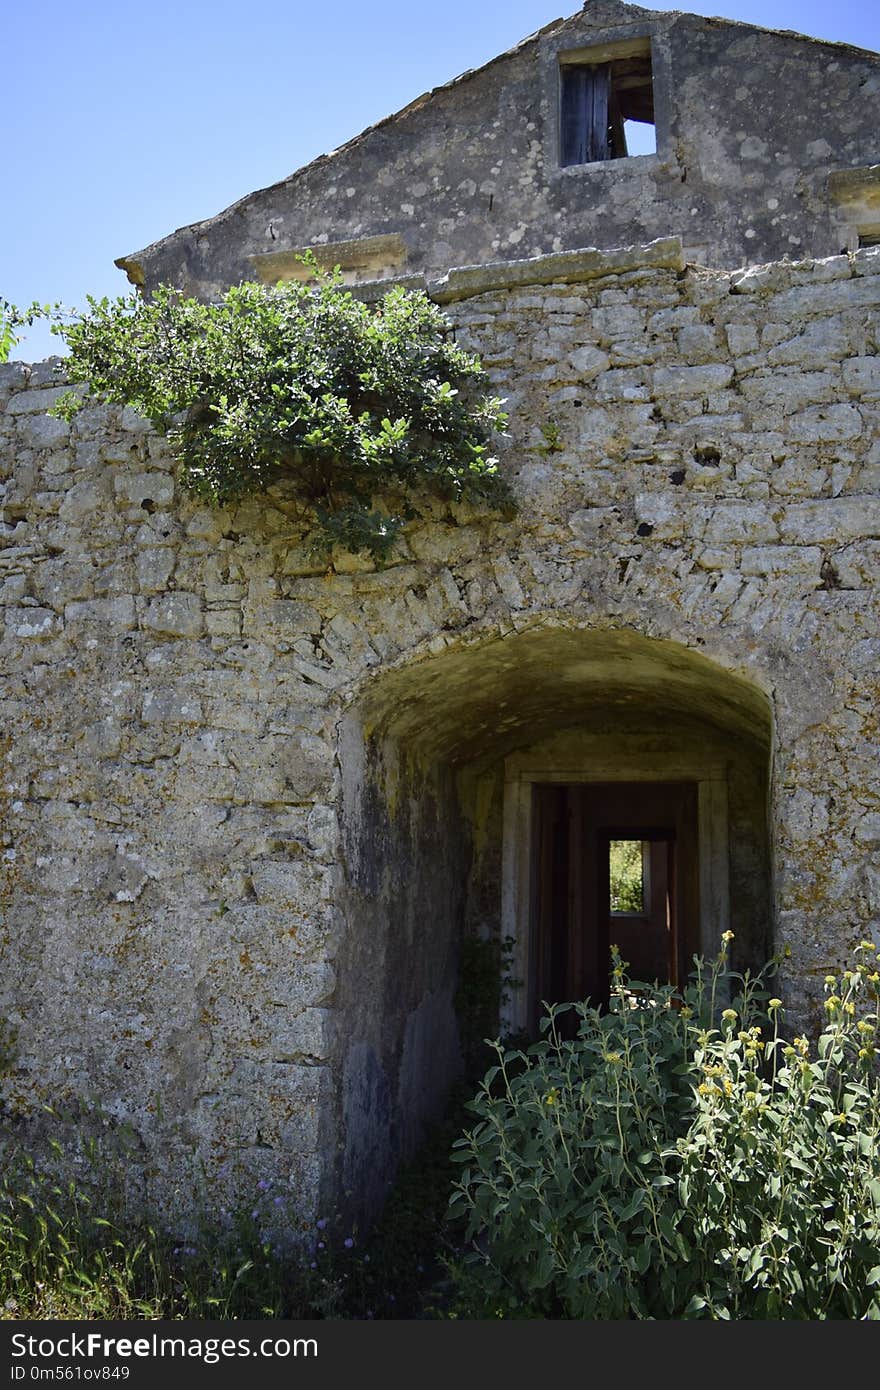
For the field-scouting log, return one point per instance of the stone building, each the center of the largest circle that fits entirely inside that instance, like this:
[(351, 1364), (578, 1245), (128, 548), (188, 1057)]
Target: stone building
[(252, 811)]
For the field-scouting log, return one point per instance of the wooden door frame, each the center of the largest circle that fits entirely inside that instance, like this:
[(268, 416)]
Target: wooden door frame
[(653, 835), (522, 771)]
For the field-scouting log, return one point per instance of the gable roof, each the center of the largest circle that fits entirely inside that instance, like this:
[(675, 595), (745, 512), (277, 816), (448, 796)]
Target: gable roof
[(594, 15)]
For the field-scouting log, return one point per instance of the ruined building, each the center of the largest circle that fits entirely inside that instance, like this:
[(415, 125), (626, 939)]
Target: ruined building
[(253, 811)]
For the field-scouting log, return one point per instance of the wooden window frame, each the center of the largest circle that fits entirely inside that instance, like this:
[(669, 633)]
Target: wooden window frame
[(592, 86)]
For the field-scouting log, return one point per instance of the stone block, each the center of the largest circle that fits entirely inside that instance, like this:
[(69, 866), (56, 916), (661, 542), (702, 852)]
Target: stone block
[(749, 523), (223, 622), (833, 519), (861, 376), (170, 707), (691, 382), (31, 623), (284, 884), (154, 567), (820, 342), (858, 565), (144, 489), (134, 423), (42, 431), (14, 376), (176, 615), (621, 321), (292, 617), (666, 516), (118, 613), (49, 372), (309, 1034), (35, 402), (83, 501), (782, 559), (867, 830), (742, 338), (789, 390), (103, 739), (588, 362), (699, 343), (832, 424)]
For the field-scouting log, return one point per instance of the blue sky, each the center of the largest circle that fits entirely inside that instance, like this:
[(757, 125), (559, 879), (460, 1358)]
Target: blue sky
[(125, 122)]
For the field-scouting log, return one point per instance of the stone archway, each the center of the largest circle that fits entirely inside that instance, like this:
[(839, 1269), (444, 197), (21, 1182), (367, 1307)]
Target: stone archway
[(442, 760)]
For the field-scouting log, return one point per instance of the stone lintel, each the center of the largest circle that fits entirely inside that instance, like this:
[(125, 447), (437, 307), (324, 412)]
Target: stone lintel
[(565, 267), (855, 185), (362, 256)]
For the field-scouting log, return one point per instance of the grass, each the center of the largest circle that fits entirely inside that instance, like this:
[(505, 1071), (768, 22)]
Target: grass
[(66, 1254)]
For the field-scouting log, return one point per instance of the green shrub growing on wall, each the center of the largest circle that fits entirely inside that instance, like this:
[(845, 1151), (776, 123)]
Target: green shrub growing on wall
[(13, 320), (673, 1163), (365, 412)]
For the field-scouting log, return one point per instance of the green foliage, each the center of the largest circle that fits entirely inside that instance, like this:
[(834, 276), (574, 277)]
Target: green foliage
[(625, 879), (8, 337), (12, 319), (71, 1250), (364, 413), (74, 1250), (672, 1163), (552, 436)]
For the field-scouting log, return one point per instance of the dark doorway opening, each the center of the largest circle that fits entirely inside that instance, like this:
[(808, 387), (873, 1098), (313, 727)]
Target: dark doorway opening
[(583, 834)]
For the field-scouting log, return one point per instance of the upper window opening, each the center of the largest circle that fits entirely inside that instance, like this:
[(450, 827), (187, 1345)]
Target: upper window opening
[(627, 876), (607, 103)]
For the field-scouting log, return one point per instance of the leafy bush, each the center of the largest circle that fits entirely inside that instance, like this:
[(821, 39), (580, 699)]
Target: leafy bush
[(365, 412), (674, 1162), (12, 319)]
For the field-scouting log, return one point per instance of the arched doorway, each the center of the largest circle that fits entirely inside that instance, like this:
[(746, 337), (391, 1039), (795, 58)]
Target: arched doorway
[(484, 788)]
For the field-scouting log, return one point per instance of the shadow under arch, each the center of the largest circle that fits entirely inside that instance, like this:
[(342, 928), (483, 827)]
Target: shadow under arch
[(458, 771)]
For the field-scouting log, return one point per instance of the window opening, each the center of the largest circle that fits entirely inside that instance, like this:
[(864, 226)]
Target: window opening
[(607, 108), (628, 866)]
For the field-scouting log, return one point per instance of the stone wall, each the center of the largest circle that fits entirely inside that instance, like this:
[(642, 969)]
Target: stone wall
[(241, 809)]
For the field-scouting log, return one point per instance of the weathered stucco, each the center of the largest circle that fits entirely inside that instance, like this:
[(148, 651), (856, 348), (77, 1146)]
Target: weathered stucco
[(749, 125), (249, 809)]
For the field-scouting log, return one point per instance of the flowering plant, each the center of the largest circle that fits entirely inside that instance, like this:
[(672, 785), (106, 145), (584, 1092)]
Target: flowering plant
[(678, 1159)]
